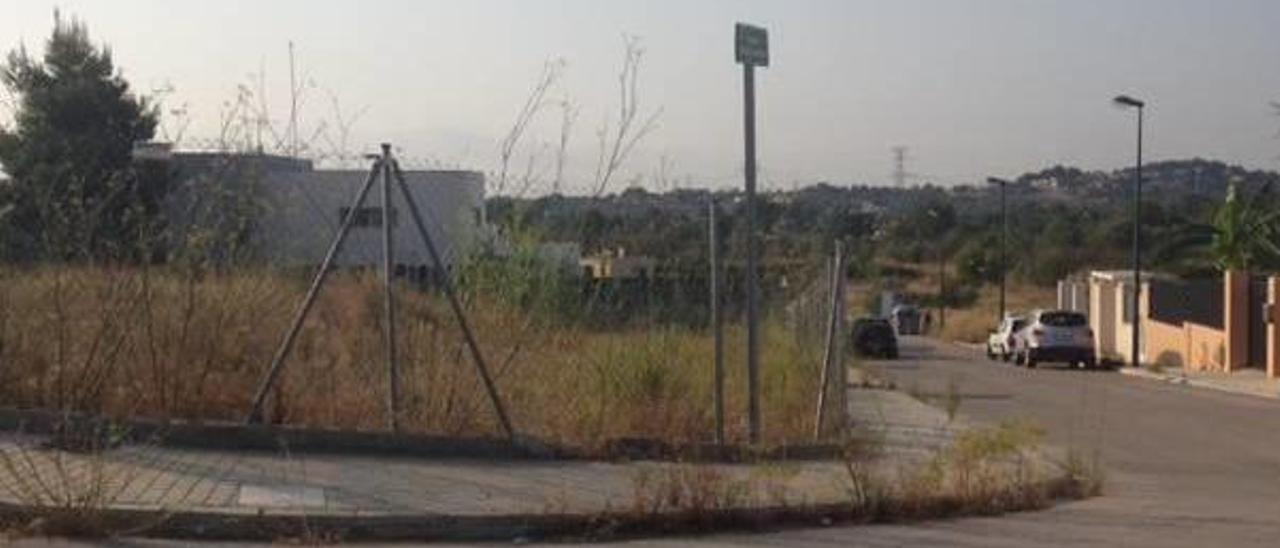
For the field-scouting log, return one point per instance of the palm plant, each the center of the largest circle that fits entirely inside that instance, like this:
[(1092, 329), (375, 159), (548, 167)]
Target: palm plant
[(1241, 235)]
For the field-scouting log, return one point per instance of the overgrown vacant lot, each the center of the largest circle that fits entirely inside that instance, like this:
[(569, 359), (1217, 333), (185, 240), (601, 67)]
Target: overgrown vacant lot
[(175, 344)]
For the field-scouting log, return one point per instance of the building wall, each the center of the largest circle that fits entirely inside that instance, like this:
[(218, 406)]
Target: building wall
[(1074, 295), (296, 210), (302, 213), (1102, 318), (1206, 348), (1191, 346), (1167, 344), (1236, 321), (1123, 329)]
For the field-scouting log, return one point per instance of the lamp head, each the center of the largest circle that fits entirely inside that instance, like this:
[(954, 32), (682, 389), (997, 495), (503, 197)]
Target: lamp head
[(1127, 101)]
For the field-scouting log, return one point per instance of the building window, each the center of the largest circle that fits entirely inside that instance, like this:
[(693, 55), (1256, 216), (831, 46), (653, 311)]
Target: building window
[(366, 217)]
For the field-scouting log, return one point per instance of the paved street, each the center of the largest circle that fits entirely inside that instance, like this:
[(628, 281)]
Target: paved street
[(1186, 467)]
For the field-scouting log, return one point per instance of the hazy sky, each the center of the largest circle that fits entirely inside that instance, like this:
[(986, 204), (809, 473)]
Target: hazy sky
[(973, 88)]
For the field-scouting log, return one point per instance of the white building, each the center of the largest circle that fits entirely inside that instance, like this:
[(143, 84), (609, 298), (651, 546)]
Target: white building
[(294, 211)]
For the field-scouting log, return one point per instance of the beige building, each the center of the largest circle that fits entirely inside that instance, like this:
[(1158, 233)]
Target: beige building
[(617, 264)]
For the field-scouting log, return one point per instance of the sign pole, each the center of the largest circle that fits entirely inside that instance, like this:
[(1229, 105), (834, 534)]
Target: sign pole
[(717, 320), (753, 269), (751, 49)]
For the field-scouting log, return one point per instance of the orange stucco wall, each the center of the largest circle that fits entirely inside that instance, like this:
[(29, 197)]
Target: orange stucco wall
[(1236, 312), (1191, 346), (1166, 344), (1207, 348)]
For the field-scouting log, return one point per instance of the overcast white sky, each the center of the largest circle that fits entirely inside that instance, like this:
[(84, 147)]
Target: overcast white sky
[(973, 88)]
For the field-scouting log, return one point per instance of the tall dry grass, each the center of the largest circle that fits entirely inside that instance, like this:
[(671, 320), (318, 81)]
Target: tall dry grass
[(179, 344), (974, 323)]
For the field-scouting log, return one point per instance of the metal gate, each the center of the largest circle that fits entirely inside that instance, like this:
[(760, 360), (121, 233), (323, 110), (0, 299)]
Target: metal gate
[(1258, 321)]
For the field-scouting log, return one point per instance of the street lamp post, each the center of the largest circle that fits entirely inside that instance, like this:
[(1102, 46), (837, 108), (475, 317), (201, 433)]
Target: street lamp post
[(1129, 102), (942, 277), (1004, 231)]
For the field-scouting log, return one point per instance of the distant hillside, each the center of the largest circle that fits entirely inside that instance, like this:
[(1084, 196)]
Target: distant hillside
[(1061, 219), (1168, 183)]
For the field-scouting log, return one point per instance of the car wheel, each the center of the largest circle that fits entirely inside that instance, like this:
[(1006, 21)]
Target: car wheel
[(1031, 362), (1005, 357), (991, 354)]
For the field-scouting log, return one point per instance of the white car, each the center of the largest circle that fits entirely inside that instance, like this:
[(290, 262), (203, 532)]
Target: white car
[(1002, 342), (1055, 336)]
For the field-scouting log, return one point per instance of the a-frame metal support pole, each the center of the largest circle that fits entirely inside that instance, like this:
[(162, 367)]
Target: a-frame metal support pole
[(277, 363), (388, 295), (452, 296)]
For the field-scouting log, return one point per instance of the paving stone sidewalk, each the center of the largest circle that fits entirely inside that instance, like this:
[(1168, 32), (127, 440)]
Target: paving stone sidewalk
[(228, 482)]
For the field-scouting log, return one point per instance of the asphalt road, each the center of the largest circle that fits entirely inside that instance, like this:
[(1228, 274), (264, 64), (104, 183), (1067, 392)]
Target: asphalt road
[(1185, 467)]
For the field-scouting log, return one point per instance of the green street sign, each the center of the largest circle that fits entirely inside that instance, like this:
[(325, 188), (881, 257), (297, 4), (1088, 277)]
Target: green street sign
[(751, 45)]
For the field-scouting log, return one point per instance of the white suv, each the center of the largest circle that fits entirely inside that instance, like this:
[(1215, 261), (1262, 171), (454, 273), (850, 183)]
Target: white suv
[(1001, 343), (1055, 336)]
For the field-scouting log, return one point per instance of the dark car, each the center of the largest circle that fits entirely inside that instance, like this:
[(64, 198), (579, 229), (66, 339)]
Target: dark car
[(874, 337), (907, 320)]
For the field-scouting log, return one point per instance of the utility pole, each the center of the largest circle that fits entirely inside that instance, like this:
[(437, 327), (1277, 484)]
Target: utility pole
[(717, 318), (751, 49)]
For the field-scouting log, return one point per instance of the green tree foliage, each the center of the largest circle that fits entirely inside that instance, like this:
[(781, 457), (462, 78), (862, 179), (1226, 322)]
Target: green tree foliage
[(1244, 233), (1241, 235), (73, 194)]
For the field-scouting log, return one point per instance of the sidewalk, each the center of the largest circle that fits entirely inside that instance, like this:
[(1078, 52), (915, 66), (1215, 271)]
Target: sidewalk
[(208, 491), (1250, 382)]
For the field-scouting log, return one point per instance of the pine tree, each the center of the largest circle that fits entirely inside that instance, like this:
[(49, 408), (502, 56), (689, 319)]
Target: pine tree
[(72, 193)]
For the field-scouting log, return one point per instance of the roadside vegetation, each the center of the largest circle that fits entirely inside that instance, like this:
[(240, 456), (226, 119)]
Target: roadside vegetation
[(171, 344)]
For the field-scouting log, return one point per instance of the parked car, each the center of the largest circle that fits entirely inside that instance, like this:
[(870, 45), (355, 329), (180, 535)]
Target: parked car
[(1055, 336), (906, 320), (874, 337), (1002, 342)]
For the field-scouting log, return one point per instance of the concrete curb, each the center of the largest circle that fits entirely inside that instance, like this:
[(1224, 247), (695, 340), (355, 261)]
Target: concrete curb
[(97, 431), (426, 527), (1186, 380)]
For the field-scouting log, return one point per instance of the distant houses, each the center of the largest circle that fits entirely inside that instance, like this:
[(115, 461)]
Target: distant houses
[(1220, 324)]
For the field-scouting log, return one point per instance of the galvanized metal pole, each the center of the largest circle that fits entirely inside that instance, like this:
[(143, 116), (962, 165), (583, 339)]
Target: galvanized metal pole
[(828, 353), (753, 297), (456, 305), (1137, 248), (717, 318), (841, 376), (277, 363), (388, 295)]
